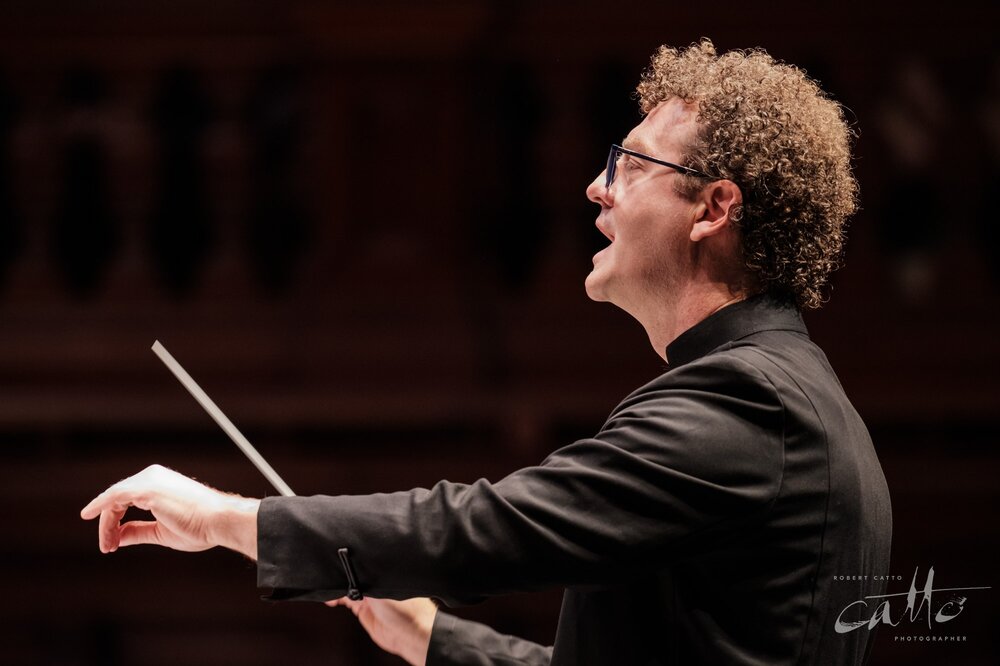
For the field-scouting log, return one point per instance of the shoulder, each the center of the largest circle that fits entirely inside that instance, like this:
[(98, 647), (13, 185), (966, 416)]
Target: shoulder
[(731, 372), (718, 409)]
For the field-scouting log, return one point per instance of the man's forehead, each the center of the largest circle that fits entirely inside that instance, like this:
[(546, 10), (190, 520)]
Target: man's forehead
[(667, 127)]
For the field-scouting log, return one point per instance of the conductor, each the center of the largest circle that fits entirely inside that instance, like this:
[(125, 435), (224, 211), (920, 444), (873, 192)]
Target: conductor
[(714, 516)]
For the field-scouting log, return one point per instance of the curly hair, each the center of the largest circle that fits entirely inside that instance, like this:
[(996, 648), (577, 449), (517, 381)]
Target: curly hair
[(769, 128)]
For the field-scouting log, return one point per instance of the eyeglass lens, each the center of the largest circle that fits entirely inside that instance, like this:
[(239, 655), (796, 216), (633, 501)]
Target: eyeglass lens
[(612, 167)]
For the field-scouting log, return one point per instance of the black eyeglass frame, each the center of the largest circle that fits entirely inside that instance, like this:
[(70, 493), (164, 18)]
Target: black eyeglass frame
[(617, 151)]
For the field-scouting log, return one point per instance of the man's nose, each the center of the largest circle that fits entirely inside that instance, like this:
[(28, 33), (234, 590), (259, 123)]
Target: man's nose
[(598, 193)]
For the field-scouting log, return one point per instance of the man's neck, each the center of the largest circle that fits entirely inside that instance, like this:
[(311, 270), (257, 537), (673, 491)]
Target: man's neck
[(664, 327)]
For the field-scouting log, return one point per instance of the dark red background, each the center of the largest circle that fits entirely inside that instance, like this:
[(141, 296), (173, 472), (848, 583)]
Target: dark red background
[(413, 307)]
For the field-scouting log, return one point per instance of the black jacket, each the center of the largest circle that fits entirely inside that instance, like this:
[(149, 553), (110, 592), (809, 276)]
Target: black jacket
[(711, 520)]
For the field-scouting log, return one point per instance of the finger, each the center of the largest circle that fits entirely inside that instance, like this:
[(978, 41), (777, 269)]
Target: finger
[(354, 604), (107, 531), (139, 531), (128, 488), (122, 492), (350, 604), (93, 509), (347, 602)]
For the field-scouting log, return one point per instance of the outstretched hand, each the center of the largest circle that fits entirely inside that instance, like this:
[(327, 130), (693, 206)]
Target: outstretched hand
[(189, 516), (400, 627)]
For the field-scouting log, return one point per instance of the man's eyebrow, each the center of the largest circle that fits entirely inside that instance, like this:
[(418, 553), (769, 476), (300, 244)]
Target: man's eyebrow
[(634, 144)]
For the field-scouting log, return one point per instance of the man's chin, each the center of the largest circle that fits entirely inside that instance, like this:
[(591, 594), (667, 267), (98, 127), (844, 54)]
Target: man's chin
[(595, 288)]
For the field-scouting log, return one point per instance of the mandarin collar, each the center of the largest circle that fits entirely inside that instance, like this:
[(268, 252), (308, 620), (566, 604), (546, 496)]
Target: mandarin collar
[(752, 315)]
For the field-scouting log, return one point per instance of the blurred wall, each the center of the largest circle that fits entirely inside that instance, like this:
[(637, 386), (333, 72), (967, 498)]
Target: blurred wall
[(362, 227)]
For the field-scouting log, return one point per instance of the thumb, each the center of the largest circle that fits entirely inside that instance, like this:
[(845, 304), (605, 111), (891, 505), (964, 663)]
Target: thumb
[(140, 531)]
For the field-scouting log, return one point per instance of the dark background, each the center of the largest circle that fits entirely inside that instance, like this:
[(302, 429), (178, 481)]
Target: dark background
[(362, 227)]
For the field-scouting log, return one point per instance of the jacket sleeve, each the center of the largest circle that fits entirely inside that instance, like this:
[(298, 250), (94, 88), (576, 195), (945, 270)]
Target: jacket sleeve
[(459, 642), (688, 459)]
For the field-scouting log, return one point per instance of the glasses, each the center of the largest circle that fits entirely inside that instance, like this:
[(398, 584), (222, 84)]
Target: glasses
[(617, 151)]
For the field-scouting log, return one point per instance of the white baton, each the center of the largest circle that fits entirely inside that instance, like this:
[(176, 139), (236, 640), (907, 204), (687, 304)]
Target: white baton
[(192, 386)]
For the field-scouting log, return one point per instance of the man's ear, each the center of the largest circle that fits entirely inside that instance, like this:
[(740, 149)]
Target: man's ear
[(716, 205)]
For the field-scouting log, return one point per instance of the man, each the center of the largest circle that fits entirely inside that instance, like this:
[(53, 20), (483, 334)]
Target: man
[(709, 520)]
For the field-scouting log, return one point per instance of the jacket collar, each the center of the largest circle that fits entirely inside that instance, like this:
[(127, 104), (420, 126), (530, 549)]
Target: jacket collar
[(743, 318)]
